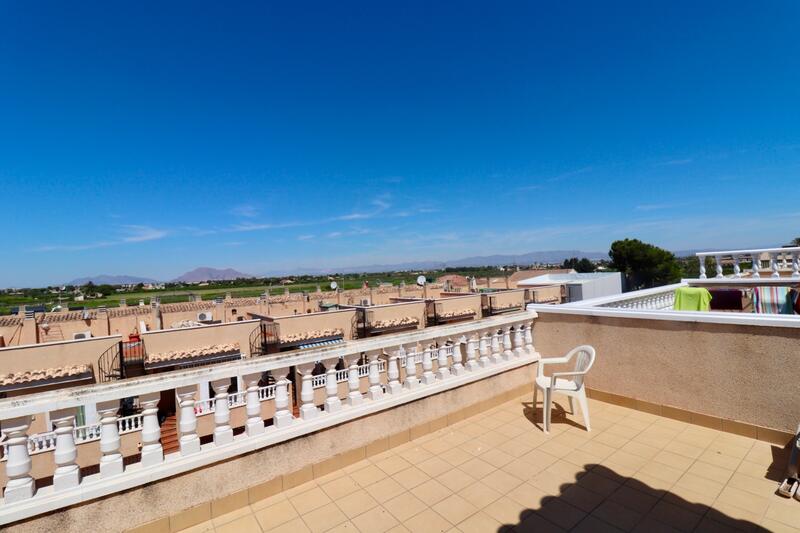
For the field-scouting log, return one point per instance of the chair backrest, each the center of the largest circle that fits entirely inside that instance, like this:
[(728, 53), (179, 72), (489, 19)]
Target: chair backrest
[(584, 359)]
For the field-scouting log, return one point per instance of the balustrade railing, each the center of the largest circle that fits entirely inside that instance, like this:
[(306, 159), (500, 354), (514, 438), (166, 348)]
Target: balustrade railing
[(786, 259), (464, 353)]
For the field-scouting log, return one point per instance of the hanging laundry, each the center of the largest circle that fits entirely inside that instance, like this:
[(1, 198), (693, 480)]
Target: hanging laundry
[(772, 301), (726, 299), (692, 299)]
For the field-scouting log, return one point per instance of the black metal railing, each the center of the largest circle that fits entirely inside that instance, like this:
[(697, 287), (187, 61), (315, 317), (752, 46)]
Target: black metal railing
[(264, 339), (109, 365)]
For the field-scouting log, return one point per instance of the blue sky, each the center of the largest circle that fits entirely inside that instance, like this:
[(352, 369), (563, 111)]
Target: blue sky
[(152, 138)]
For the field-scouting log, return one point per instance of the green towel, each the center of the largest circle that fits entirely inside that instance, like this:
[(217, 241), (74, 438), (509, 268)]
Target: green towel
[(692, 299)]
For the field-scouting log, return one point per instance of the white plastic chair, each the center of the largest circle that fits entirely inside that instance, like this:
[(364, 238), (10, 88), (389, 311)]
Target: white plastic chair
[(572, 388)]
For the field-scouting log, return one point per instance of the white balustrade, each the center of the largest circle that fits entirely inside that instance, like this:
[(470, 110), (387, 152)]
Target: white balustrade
[(282, 416), (411, 381), (427, 367), (308, 408), (529, 338), (21, 486), (779, 258), (332, 401), (353, 384), (255, 425), (393, 376), (67, 474), (223, 432), (519, 346), (507, 353), (375, 389), (189, 442), (152, 452), (110, 441), (483, 348), (443, 372), (472, 361), (497, 356), (455, 348)]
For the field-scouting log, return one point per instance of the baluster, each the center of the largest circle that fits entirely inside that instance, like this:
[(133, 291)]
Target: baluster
[(375, 389), (111, 460), (737, 270), (795, 265), (458, 367), (483, 348), (411, 381), (519, 348), (702, 259), (393, 373), (223, 433), (152, 452), (756, 265), (353, 383), (255, 424), (189, 441), (773, 265), (496, 354), (21, 485), (427, 367), (718, 261), (507, 353), (67, 474), (443, 371), (332, 402), (529, 338), (472, 362), (308, 410), (282, 415)]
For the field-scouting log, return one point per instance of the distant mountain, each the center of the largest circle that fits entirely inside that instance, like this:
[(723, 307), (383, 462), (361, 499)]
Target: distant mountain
[(210, 274), (552, 256), (105, 279)]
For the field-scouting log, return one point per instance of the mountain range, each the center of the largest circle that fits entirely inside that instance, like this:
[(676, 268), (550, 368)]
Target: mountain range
[(210, 274)]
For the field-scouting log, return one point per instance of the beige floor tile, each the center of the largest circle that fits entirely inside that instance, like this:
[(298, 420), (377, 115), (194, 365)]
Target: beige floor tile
[(535, 523), (368, 475), (434, 466), (479, 495), (479, 522), (527, 495), (674, 516), (597, 450), (719, 459), (477, 467), (740, 499), (539, 459), (376, 520), (662, 471), (344, 527), (562, 514), (507, 511), (515, 447), (456, 456), (610, 439), (340, 487), (411, 477), (428, 522), (455, 509), (592, 524), (245, 524), (642, 450), (309, 500), (582, 498), (323, 518), (709, 471), (268, 502), (598, 483), (687, 450), (386, 489), (202, 527), (651, 525), (501, 481), (275, 515), (293, 526), (431, 492), (392, 465), (399, 528), (637, 500), (680, 462), (436, 446), (617, 515), (356, 503), (455, 479), (778, 527), (233, 515), (496, 458), (405, 506)]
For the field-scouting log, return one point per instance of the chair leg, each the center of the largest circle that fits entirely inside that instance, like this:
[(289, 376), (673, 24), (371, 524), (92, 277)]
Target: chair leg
[(548, 396), (535, 394), (571, 405), (584, 408)]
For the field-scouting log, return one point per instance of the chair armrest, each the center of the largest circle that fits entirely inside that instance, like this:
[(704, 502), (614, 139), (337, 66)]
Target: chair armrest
[(554, 360)]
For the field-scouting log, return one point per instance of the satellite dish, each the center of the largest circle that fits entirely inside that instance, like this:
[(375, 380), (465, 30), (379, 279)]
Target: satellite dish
[(334, 285), (421, 281)]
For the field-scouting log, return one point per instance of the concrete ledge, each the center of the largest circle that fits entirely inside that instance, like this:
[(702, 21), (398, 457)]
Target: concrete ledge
[(187, 499)]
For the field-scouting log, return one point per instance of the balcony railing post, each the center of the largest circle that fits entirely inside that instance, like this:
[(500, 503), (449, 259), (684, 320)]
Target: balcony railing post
[(111, 460), (773, 265), (702, 263), (353, 384), (189, 441), (427, 366), (507, 353), (795, 265), (496, 354), (223, 432), (20, 486), (332, 401), (443, 372), (393, 376), (718, 265), (529, 338), (411, 381), (483, 348), (255, 424), (519, 347), (737, 270), (756, 266), (67, 474), (375, 389), (152, 452), (472, 362), (282, 415), (308, 410), (458, 367)]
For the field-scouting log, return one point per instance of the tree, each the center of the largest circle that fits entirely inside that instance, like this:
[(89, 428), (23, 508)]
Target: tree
[(643, 264), (795, 241), (579, 265)]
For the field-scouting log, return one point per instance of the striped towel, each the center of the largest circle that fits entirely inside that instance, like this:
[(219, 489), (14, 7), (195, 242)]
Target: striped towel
[(771, 300)]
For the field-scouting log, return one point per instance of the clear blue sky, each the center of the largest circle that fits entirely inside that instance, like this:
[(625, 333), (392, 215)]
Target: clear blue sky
[(151, 138)]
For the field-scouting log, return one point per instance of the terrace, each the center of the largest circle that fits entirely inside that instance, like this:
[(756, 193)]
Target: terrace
[(427, 429)]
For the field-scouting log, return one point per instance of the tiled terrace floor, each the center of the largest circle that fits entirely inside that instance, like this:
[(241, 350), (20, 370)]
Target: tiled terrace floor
[(498, 472)]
